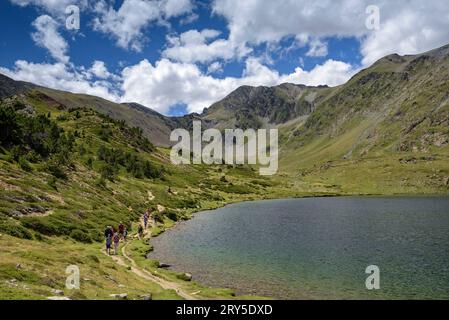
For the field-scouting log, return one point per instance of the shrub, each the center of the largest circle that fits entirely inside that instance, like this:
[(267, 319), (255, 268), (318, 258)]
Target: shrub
[(171, 215), (24, 165), (15, 230), (100, 182), (89, 163), (81, 236), (62, 117), (94, 258), (107, 172), (82, 150), (158, 216), (48, 226), (10, 130), (33, 157), (56, 169), (52, 183)]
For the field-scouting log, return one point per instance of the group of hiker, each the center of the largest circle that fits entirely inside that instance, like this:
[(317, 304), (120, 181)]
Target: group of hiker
[(113, 236)]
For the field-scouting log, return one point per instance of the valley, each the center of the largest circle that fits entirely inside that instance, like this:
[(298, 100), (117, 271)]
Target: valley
[(70, 164)]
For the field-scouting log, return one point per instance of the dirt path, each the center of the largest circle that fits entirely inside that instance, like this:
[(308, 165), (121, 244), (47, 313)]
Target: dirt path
[(167, 285)]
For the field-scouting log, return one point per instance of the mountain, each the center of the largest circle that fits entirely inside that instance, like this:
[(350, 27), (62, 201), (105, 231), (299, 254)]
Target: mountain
[(9, 87), (396, 111), (67, 172), (154, 125), (253, 107), (70, 164)]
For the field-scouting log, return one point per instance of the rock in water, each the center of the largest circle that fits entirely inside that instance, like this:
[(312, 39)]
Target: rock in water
[(164, 265), (185, 276)]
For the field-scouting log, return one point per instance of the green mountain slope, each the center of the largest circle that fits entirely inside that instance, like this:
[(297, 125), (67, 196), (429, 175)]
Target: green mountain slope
[(66, 173), (385, 130), (71, 164)]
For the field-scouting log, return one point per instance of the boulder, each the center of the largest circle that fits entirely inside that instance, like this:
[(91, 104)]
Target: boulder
[(121, 296), (57, 292), (146, 297), (163, 265), (185, 276), (58, 298)]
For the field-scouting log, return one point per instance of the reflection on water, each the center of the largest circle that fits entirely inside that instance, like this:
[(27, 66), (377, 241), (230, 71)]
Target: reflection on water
[(317, 247)]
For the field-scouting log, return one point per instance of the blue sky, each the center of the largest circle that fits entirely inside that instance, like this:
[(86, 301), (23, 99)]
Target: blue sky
[(179, 56)]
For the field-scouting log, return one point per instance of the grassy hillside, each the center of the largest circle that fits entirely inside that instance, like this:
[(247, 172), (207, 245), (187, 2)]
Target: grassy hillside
[(71, 164), (385, 131), (68, 173)]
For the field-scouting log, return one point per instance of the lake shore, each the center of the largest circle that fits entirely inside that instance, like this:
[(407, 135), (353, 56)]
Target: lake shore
[(195, 213)]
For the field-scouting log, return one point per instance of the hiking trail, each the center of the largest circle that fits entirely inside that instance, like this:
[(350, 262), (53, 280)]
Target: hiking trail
[(165, 284)]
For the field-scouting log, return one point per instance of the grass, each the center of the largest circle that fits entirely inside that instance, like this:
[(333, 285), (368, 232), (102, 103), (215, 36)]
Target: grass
[(32, 269), (52, 223), (358, 142)]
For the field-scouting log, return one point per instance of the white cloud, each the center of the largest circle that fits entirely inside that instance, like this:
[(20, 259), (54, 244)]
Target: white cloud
[(60, 76), (168, 83), (407, 26), (331, 73), (415, 28), (254, 21), (99, 70), (215, 67), (48, 37), (54, 7), (189, 19), (196, 46), (317, 48), (174, 8), (127, 24)]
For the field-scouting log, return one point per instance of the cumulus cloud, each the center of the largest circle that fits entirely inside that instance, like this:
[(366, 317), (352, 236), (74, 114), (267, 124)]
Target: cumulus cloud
[(330, 73), (414, 28), (100, 71), (60, 76), (257, 22), (184, 72), (53, 7), (197, 46), (126, 25), (47, 36), (167, 83), (407, 26), (317, 48), (215, 67)]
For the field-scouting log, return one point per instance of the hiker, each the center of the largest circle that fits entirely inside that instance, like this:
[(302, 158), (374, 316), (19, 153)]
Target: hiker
[(140, 231), (121, 230), (125, 234), (116, 240), (146, 216), (108, 233)]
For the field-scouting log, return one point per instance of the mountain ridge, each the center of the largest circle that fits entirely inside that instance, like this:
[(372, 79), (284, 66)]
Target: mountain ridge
[(247, 106)]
